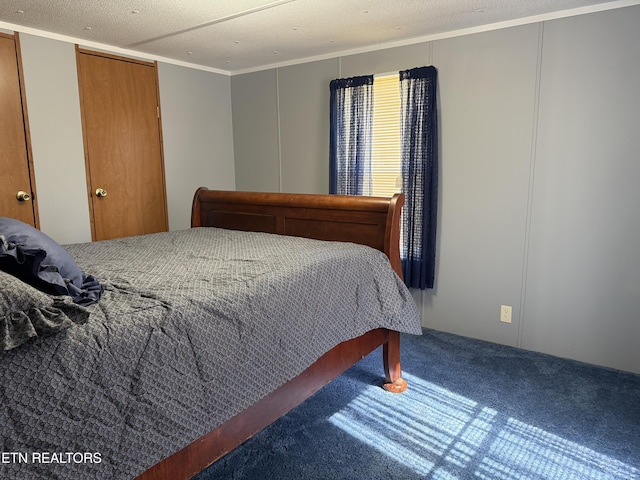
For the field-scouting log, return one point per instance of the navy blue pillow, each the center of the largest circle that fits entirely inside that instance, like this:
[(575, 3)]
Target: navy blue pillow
[(40, 261)]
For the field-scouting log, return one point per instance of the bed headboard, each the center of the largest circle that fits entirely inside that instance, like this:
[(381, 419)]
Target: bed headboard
[(372, 221)]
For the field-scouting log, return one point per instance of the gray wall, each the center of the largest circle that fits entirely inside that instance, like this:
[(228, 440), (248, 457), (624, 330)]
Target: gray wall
[(583, 275), (255, 113), (53, 104), (196, 126), (538, 170), (487, 92), (197, 134)]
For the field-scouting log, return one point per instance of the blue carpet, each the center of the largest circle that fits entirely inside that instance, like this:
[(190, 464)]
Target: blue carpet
[(473, 410)]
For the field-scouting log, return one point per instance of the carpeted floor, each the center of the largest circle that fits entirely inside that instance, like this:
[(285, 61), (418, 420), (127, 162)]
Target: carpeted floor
[(473, 410)]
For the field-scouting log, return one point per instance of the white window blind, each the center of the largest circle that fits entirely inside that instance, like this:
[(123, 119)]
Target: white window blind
[(385, 154)]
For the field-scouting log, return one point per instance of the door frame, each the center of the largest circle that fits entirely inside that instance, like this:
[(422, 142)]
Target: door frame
[(27, 132), (90, 194)]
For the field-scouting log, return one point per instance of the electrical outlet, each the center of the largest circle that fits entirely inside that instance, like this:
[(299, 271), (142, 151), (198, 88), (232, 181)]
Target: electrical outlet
[(505, 313)]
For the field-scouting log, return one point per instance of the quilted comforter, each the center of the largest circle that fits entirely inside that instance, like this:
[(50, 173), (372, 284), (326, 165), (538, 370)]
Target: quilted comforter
[(193, 327)]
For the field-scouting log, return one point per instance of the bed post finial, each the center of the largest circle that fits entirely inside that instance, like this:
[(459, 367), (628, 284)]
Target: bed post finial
[(392, 235), (196, 212)]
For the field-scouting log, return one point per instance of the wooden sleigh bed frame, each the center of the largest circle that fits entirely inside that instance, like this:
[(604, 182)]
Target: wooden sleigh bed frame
[(372, 221)]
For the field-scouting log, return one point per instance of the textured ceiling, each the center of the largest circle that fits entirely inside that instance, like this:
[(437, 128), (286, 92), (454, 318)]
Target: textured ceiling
[(244, 35)]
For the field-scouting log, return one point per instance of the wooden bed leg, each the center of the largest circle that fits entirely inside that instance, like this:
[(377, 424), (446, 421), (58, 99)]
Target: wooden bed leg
[(394, 382)]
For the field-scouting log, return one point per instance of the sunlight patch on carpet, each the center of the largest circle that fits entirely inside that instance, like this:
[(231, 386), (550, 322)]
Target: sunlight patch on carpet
[(522, 447), (439, 433)]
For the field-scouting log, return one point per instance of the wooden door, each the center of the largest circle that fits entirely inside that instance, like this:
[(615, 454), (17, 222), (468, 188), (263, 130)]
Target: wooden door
[(17, 185), (123, 145)]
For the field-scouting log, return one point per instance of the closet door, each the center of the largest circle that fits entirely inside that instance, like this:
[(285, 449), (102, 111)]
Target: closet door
[(17, 186), (123, 145)]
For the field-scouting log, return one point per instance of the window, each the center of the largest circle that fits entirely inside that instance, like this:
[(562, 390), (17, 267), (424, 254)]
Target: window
[(383, 140), (386, 151)]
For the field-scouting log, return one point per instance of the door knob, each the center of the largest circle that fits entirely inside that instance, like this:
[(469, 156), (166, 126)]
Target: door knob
[(23, 196), (101, 192)]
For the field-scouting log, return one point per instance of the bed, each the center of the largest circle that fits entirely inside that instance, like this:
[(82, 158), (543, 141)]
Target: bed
[(174, 366)]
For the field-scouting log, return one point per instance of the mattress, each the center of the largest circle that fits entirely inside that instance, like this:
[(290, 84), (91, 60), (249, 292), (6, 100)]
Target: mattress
[(193, 327)]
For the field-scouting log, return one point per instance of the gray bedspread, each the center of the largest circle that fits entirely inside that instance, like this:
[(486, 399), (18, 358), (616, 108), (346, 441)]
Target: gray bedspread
[(194, 326)]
